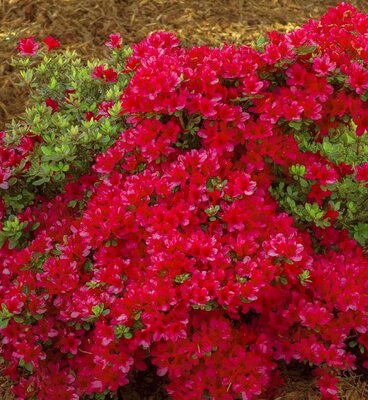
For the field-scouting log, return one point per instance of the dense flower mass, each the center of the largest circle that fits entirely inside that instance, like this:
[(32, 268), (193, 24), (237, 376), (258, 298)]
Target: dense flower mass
[(170, 250)]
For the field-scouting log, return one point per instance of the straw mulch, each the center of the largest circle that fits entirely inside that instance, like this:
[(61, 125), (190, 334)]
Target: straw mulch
[(5, 389), (84, 25), (298, 387)]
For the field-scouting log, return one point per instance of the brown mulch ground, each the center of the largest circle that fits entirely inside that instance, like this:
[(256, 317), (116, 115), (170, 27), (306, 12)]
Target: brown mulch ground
[(5, 389), (84, 25), (298, 387)]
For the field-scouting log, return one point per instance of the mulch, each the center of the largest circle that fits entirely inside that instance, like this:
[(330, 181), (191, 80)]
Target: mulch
[(301, 386), (5, 389), (84, 25)]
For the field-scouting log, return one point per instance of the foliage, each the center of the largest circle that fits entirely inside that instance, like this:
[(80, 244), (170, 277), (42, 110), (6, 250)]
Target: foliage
[(71, 118)]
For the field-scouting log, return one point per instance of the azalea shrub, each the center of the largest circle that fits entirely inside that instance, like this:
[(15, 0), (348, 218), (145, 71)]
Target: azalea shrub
[(199, 211)]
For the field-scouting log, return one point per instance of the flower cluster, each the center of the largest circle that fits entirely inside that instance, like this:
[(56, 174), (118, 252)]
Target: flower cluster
[(173, 249), (29, 47)]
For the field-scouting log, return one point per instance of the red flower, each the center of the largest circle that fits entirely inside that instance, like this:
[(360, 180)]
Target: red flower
[(331, 213), (52, 103), (98, 71), (292, 110), (28, 46), (361, 174), (51, 43), (109, 75), (318, 194), (68, 343), (323, 65), (357, 77), (207, 107), (29, 352), (283, 246), (89, 115), (115, 41), (325, 174), (327, 384)]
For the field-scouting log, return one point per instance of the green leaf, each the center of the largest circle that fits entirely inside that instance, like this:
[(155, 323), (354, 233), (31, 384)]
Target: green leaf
[(4, 323), (97, 309), (304, 277), (35, 226), (12, 244), (182, 278), (39, 182), (29, 367), (260, 41), (303, 50), (45, 150)]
